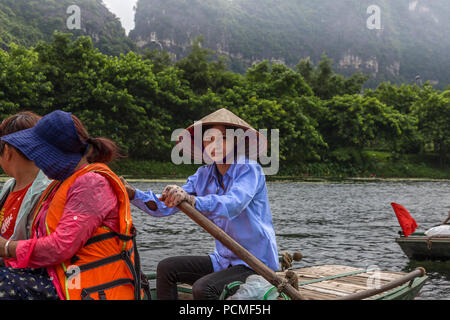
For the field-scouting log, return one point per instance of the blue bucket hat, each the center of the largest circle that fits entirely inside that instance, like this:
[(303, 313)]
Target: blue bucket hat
[(52, 144)]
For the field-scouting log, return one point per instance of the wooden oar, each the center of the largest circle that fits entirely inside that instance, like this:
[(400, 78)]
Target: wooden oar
[(418, 272), (240, 251), (446, 220)]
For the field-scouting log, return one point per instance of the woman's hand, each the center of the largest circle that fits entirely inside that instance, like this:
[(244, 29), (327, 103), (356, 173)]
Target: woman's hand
[(10, 251), (130, 190), (173, 195)]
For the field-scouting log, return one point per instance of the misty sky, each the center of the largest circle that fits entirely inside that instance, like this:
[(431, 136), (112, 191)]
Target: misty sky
[(124, 10)]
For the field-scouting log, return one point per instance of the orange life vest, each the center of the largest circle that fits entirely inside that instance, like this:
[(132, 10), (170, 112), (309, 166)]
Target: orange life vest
[(104, 268)]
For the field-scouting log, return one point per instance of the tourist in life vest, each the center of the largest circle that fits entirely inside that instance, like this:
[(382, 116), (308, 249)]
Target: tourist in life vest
[(230, 191), (82, 232), (21, 193)]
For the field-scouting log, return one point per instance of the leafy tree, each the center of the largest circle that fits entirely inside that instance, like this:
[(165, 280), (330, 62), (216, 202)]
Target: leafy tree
[(327, 84), (160, 59), (433, 111), (401, 98), (358, 122), (204, 70), (27, 22), (446, 93), (277, 81), (299, 139), (254, 30), (139, 99), (114, 96), (306, 69), (23, 85)]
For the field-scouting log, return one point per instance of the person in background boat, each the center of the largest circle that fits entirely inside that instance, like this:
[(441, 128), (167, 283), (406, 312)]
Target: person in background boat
[(231, 194), (20, 194), (447, 220), (82, 231)]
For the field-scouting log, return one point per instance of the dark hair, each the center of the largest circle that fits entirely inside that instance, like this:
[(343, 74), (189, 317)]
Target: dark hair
[(100, 149), (235, 152), (20, 121), (210, 126)]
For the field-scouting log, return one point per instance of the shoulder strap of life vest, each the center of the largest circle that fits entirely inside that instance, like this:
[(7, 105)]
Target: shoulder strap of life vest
[(50, 189)]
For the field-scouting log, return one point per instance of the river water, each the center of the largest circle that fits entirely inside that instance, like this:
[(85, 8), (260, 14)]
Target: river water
[(349, 224)]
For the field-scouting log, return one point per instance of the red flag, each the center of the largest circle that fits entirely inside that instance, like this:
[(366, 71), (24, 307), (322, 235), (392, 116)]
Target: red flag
[(407, 223)]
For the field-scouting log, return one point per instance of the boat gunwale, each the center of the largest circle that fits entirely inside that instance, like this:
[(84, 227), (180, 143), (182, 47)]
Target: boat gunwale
[(423, 239), (415, 285)]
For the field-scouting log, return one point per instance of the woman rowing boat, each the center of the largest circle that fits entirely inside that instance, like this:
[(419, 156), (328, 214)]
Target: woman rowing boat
[(230, 191)]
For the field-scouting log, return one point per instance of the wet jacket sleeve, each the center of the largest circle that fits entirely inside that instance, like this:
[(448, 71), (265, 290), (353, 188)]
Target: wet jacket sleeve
[(91, 203), (141, 197)]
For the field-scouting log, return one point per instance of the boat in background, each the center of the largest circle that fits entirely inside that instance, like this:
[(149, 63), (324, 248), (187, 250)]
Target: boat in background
[(418, 246)]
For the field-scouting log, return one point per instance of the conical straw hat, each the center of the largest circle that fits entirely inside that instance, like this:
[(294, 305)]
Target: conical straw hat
[(229, 119), (222, 117)]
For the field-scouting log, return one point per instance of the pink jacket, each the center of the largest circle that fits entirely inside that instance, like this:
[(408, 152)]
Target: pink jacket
[(91, 203)]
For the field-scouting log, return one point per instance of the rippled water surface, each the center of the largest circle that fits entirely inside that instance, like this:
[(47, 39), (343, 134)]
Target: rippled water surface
[(330, 223)]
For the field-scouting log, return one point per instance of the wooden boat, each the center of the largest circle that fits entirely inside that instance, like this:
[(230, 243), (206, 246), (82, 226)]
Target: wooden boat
[(418, 246), (329, 282), (316, 282)]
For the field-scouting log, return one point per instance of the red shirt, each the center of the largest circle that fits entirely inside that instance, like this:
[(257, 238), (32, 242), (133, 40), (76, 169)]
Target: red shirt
[(9, 212)]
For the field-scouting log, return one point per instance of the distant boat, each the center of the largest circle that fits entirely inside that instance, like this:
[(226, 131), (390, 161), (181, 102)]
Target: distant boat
[(418, 246)]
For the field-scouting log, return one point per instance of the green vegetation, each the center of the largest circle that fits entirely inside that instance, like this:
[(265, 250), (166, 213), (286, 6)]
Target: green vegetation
[(412, 40), (151, 169), (327, 126), (27, 22)]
